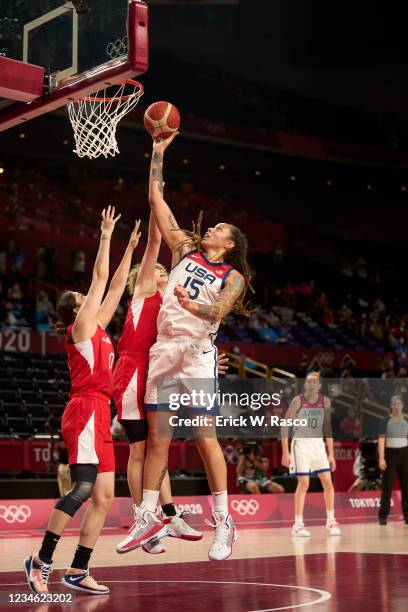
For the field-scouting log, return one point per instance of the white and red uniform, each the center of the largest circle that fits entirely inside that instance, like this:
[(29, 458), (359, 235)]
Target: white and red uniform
[(86, 420), (129, 377), (308, 451), (185, 343)]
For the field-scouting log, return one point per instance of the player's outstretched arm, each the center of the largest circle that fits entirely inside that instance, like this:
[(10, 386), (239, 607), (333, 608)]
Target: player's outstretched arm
[(224, 303), (169, 229), (146, 282), (86, 320), (119, 280)]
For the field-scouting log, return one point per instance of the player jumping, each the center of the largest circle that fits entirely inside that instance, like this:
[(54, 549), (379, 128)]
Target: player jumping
[(308, 454), (86, 420), (146, 284), (209, 278)]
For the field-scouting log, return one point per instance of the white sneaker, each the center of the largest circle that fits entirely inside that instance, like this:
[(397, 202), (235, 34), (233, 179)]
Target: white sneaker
[(333, 528), (299, 531), (178, 528), (224, 538), (146, 527), (154, 547)]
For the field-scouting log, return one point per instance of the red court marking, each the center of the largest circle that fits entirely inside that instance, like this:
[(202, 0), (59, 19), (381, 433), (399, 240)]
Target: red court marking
[(376, 582)]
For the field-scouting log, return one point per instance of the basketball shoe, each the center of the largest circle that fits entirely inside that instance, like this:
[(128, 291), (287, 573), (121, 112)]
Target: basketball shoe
[(37, 573), (84, 582), (146, 527), (299, 531), (154, 547), (333, 528), (224, 538), (177, 527)]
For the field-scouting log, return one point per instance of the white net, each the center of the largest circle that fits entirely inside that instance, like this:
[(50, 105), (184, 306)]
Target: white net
[(94, 119)]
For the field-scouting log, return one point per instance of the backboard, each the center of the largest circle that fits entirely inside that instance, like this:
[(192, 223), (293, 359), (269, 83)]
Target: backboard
[(52, 51)]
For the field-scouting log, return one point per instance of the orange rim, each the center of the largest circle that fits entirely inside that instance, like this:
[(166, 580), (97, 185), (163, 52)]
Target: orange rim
[(117, 98)]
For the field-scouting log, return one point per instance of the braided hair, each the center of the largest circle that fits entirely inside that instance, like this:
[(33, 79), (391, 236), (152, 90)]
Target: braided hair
[(236, 257)]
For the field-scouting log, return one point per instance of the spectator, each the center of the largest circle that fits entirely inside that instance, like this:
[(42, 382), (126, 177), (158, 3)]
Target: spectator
[(252, 472), (16, 258), (44, 311), (351, 425), (78, 266), (277, 254)]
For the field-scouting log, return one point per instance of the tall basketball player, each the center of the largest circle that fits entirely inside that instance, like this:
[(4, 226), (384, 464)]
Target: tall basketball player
[(209, 278), (86, 419), (146, 284), (308, 455)]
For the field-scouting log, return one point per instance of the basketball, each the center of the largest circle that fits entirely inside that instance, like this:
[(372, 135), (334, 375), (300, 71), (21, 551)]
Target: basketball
[(161, 119)]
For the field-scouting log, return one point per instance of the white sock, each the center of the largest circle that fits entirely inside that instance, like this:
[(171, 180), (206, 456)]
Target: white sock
[(221, 501), (330, 516), (298, 520), (150, 499)]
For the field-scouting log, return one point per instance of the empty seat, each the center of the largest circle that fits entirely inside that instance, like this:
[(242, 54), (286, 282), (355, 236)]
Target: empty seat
[(4, 384), (37, 410), (52, 397), (23, 430), (14, 422), (38, 424), (47, 385), (9, 395), (29, 396), (25, 384)]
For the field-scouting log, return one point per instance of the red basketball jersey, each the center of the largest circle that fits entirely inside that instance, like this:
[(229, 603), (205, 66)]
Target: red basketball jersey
[(140, 329), (90, 363)]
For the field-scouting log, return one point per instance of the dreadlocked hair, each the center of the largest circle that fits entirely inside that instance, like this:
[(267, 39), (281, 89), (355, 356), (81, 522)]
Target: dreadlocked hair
[(236, 257)]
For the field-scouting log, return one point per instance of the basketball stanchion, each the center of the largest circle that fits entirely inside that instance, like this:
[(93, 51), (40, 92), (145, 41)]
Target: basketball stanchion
[(95, 118)]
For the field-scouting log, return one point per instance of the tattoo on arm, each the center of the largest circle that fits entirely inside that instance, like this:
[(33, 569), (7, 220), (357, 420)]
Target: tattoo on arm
[(157, 170), (161, 478), (172, 222), (224, 303)]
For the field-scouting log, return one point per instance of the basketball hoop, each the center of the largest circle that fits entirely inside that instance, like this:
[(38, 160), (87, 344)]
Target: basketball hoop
[(95, 118)]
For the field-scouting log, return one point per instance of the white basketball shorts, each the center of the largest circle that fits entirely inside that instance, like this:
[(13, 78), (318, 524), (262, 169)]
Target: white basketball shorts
[(308, 457), (179, 366)]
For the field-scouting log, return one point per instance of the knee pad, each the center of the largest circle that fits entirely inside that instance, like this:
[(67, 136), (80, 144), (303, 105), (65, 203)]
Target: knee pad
[(83, 477)]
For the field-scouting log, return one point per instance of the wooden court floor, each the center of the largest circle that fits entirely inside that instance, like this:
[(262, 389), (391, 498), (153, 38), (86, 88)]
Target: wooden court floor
[(366, 568)]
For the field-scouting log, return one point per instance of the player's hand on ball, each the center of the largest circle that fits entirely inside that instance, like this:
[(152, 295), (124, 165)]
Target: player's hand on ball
[(222, 363), (181, 295), (161, 144), (286, 459), (332, 463), (108, 221), (383, 465), (135, 235)]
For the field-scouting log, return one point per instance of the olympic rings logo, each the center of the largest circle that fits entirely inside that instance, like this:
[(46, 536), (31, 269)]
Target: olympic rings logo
[(12, 514), (245, 506), (117, 48)]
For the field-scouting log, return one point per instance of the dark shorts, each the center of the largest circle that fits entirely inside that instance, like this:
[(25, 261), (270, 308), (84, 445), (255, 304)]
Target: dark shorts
[(262, 484), (135, 430)]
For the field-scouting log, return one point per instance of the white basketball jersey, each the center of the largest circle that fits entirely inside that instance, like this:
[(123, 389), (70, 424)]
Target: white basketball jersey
[(203, 280)]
